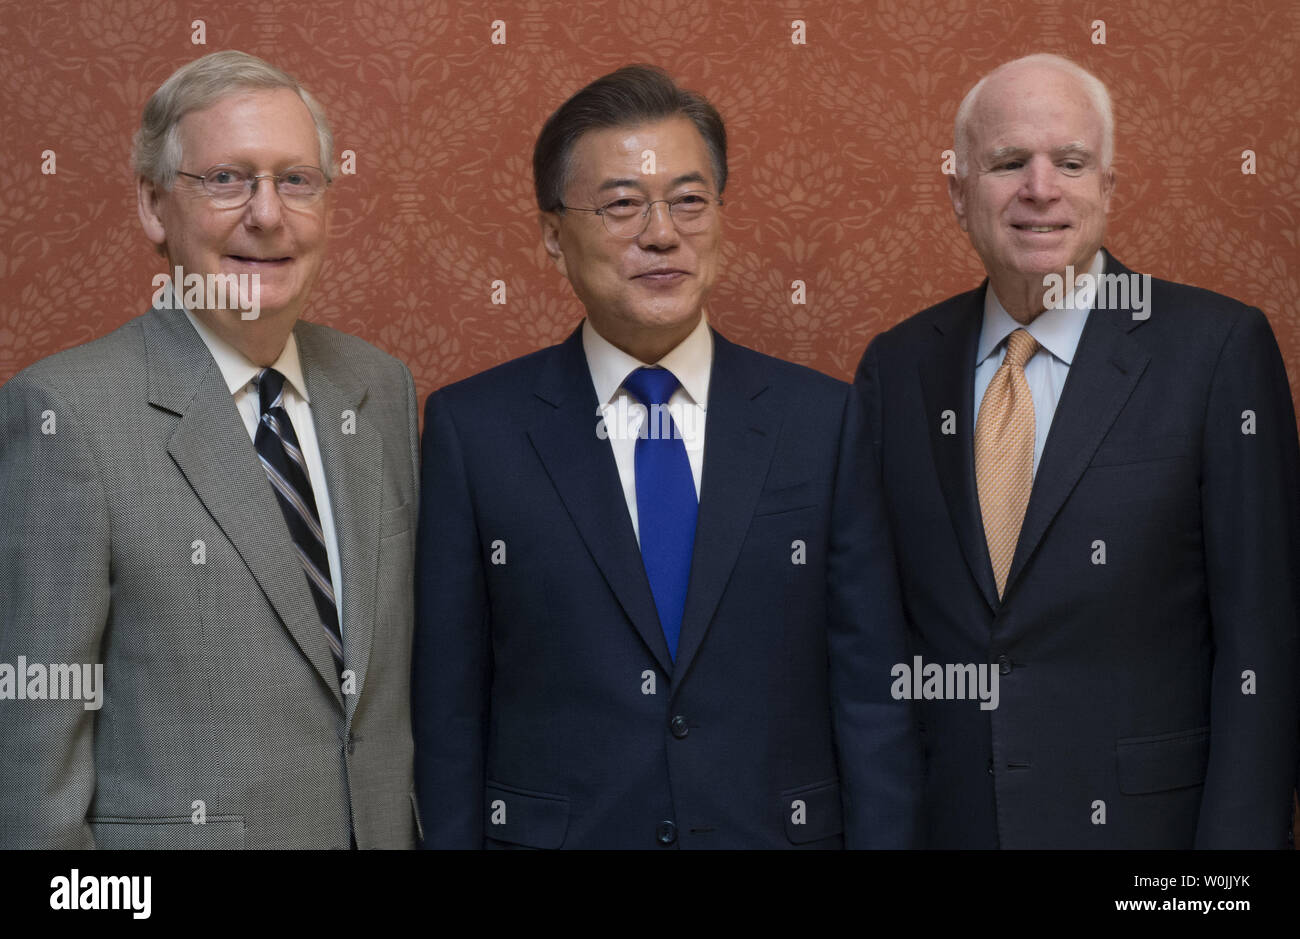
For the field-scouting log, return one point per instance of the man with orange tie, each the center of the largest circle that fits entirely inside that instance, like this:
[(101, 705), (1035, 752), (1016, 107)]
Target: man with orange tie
[(1092, 480)]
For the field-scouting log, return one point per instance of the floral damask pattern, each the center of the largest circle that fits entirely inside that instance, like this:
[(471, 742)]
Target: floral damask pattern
[(836, 151)]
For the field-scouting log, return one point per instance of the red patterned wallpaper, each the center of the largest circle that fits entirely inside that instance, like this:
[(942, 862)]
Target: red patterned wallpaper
[(835, 156)]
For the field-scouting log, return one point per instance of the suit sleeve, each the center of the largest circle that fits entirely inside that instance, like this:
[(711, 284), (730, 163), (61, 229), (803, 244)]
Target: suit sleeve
[(54, 557), (1251, 525), (451, 661), (876, 736)]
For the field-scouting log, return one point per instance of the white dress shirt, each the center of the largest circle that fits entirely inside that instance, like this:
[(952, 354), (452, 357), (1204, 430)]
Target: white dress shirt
[(239, 374), (1057, 331), (623, 415)]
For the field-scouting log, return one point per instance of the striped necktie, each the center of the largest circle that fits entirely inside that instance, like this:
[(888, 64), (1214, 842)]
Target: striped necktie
[(286, 468), (666, 504)]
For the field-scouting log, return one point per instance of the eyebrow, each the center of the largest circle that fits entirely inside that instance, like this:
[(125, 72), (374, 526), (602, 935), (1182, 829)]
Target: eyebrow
[(1076, 147), (636, 183), (1073, 148)]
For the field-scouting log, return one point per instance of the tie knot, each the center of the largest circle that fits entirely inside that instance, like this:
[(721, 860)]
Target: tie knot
[(1020, 348), (270, 384), (651, 386)]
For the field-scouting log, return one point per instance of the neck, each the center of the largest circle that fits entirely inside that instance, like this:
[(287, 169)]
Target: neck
[(1023, 295), (649, 346), (260, 341), (1020, 296)]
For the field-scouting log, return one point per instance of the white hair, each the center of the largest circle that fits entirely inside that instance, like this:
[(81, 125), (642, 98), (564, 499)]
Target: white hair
[(1092, 87), (192, 87)]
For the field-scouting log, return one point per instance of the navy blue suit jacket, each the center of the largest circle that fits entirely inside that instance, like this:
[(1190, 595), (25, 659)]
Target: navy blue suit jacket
[(1145, 702), (547, 712)]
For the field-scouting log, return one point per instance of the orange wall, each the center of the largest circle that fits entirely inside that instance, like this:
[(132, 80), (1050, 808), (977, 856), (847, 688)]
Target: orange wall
[(835, 154)]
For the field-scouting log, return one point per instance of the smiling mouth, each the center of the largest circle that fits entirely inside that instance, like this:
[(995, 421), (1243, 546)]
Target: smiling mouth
[(1040, 229), (247, 260)]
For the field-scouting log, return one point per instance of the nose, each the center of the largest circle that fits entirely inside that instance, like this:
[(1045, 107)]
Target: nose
[(264, 207), (1040, 183), (660, 232)]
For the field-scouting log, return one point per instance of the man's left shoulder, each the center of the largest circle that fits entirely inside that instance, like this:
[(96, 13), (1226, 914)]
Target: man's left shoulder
[(336, 347), (785, 378), (1196, 313), (1197, 300)]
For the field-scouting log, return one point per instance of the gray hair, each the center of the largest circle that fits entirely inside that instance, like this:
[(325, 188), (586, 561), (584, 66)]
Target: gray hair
[(1092, 87), (203, 82)]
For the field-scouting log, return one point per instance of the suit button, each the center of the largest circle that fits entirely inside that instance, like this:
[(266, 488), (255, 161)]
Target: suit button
[(1004, 665), (990, 766), (666, 832), (678, 727)]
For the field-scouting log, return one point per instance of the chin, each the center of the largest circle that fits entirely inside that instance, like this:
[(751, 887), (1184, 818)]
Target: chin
[(660, 321), (1042, 264)]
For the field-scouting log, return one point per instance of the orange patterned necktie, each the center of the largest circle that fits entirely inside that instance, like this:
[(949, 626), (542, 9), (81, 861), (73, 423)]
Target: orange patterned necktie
[(1004, 453)]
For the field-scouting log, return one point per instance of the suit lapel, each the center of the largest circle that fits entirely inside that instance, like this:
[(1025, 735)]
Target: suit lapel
[(1105, 370), (211, 447), (581, 467), (354, 465), (948, 384), (739, 438)]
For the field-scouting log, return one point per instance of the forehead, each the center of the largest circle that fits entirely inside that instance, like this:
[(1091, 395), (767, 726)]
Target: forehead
[(1030, 105), (620, 152), (249, 122)]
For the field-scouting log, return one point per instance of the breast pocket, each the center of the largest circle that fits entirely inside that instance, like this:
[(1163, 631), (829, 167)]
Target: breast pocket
[(1141, 450), (395, 521), (785, 499)]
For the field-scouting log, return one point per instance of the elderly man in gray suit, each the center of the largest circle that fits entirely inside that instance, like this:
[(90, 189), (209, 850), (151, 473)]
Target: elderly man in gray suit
[(213, 509)]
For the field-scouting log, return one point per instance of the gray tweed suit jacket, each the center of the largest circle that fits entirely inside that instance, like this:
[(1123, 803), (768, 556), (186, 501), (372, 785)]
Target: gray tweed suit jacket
[(138, 531)]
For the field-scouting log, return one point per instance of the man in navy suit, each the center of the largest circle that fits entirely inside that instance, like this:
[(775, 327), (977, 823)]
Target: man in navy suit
[(655, 607), (1095, 491)]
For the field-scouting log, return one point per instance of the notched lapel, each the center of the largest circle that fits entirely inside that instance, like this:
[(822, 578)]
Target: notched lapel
[(352, 453), (948, 384), (211, 447), (740, 437), (1107, 366), (582, 469)]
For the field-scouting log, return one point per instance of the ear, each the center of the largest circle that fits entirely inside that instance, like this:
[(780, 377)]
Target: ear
[(550, 223), (1107, 188), (148, 196), (956, 192)]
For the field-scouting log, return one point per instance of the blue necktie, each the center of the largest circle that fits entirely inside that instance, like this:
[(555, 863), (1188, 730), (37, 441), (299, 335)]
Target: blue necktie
[(286, 468), (666, 505)]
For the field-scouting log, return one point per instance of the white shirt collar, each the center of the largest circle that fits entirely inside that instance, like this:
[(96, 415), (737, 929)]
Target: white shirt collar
[(238, 371), (1057, 330), (691, 361)]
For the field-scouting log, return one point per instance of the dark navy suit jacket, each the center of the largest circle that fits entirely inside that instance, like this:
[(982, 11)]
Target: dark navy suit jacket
[(547, 711), (1145, 702)]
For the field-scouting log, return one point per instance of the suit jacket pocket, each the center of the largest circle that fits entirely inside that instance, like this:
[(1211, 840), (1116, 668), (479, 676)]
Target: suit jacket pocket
[(218, 832), (785, 499), (1163, 762), (1140, 450), (523, 817), (812, 812), (395, 521)]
